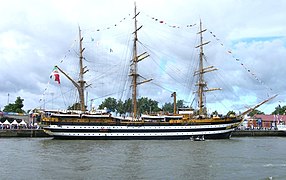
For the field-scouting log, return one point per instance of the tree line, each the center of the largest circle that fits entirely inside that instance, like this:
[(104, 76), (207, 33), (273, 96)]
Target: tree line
[(144, 104)]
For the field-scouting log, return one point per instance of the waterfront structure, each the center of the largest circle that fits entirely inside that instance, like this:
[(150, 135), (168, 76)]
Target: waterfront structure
[(270, 121)]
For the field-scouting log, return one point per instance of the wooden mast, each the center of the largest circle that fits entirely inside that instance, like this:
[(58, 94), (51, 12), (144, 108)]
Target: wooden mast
[(174, 95), (134, 64), (81, 81), (201, 83), (80, 85), (134, 69)]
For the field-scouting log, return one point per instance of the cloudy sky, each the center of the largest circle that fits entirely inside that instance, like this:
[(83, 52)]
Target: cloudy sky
[(248, 40)]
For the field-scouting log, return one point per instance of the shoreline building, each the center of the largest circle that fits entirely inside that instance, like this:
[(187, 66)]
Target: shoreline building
[(261, 121)]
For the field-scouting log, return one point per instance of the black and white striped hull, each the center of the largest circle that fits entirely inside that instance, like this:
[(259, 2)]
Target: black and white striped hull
[(220, 131)]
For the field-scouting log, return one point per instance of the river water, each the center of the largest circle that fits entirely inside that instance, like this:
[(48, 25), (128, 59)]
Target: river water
[(236, 158)]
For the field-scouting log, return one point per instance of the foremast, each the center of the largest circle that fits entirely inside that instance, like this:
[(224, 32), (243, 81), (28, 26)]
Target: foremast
[(202, 85), (81, 84), (134, 65)]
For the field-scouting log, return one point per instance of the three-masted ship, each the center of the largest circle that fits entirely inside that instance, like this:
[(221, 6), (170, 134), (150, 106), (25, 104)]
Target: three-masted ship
[(186, 124)]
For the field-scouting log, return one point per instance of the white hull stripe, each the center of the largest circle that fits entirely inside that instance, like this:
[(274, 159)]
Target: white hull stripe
[(141, 127), (138, 134)]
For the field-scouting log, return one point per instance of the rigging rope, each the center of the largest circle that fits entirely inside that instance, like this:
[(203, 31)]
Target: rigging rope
[(114, 25), (163, 22), (228, 51)]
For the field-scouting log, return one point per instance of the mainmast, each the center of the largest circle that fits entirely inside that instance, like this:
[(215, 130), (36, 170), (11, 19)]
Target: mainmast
[(201, 83), (81, 81), (134, 68)]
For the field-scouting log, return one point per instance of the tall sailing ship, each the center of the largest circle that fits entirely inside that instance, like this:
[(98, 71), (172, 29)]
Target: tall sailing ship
[(186, 124)]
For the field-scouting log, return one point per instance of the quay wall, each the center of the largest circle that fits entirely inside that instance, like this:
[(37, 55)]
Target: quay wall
[(39, 133), (35, 133), (248, 133)]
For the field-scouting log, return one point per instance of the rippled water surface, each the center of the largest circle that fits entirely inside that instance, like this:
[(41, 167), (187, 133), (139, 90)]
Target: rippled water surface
[(237, 158)]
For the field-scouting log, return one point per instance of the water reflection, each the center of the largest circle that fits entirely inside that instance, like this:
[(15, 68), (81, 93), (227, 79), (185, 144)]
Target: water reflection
[(250, 158)]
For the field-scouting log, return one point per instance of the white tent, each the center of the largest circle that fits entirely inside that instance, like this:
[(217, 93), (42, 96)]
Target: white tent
[(23, 123), (6, 122), (14, 122)]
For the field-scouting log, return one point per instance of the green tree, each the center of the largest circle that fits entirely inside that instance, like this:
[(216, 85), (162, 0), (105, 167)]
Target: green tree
[(127, 105), (168, 107), (279, 110), (180, 104), (147, 105), (144, 105), (110, 103), (15, 107), (120, 107), (75, 106)]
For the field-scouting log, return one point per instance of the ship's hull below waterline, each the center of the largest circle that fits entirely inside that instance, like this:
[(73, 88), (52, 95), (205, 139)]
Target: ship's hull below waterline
[(221, 131)]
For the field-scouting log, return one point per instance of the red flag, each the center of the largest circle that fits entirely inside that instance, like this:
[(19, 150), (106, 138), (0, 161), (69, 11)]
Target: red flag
[(56, 75)]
